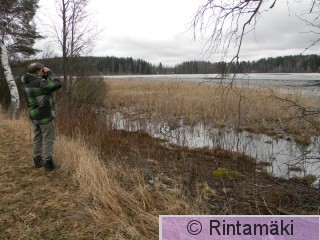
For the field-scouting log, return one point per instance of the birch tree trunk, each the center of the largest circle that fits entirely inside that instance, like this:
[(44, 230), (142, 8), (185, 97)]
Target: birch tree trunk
[(15, 101)]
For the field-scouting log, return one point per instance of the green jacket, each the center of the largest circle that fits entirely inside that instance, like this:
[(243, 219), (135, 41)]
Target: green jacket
[(38, 92)]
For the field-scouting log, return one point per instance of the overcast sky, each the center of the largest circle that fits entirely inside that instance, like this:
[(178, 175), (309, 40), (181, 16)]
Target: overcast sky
[(159, 30)]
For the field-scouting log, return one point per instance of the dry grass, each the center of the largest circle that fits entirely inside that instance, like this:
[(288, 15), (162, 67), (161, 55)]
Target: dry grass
[(112, 206), (35, 205), (257, 110), (109, 173), (101, 200)]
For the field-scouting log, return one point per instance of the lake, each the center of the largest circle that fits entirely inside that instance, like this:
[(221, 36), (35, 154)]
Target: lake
[(306, 83)]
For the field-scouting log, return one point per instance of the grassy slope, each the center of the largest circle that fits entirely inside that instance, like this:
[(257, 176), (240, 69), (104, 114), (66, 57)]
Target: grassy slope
[(35, 204), (83, 200)]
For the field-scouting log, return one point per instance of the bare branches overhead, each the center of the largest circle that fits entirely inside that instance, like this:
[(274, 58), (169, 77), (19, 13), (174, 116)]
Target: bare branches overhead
[(224, 23)]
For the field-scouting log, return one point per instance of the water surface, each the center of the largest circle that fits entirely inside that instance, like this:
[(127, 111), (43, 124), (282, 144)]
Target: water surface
[(281, 154)]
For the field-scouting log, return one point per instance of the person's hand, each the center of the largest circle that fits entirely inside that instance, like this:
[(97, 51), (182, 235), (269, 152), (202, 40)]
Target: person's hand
[(45, 69)]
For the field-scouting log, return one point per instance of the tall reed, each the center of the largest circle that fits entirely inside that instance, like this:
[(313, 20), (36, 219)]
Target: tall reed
[(255, 109)]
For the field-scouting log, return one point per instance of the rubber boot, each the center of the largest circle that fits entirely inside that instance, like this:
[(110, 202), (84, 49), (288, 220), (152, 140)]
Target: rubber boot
[(38, 163), (49, 165)]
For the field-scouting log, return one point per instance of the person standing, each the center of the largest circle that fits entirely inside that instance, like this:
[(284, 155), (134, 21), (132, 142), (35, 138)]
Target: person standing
[(39, 84)]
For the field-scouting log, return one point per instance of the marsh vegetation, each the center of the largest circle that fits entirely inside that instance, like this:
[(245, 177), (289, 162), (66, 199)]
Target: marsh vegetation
[(125, 178)]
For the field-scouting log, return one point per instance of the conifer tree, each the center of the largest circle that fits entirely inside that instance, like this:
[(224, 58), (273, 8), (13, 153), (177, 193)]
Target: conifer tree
[(17, 36)]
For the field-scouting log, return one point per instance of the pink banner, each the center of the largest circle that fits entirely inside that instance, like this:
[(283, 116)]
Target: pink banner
[(239, 227)]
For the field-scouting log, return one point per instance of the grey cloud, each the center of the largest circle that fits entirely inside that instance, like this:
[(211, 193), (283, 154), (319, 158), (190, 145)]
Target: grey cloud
[(168, 51), (278, 32)]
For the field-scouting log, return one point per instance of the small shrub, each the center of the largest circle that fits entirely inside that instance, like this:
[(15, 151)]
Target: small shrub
[(264, 164), (227, 174), (205, 191), (89, 91), (306, 180), (295, 169), (275, 193)]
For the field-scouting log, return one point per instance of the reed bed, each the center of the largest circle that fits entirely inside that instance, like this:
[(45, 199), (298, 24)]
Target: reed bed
[(254, 109)]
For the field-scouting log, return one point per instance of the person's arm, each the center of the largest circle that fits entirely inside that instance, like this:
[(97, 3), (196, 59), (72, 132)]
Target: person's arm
[(52, 83)]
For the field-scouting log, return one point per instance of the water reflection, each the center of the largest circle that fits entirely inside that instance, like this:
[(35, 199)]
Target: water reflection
[(281, 157)]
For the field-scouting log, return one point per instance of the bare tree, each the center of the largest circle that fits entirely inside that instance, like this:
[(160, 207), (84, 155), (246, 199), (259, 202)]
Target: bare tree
[(75, 34)]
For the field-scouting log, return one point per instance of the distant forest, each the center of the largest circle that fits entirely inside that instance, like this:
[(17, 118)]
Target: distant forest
[(116, 66), (286, 64)]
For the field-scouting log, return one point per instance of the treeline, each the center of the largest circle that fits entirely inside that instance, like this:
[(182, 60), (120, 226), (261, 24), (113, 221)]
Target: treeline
[(117, 66), (200, 67), (286, 64), (114, 65), (100, 65)]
